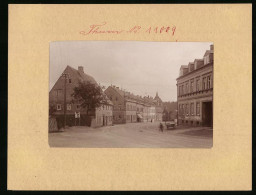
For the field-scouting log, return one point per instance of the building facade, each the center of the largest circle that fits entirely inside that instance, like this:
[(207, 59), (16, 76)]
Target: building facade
[(130, 108), (159, 108), (93, 117), (195, 91)]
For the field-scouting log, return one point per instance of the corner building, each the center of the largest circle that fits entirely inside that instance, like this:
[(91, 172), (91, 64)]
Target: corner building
[(195, 91)]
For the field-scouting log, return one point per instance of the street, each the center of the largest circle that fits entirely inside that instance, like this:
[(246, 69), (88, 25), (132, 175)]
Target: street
[(132, 135)]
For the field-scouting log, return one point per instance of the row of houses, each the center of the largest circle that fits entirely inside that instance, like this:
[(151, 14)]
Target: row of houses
[(120, 106), (130, 108), (195, 91)]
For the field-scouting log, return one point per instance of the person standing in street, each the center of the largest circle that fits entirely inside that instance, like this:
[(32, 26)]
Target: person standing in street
[(161, 127)]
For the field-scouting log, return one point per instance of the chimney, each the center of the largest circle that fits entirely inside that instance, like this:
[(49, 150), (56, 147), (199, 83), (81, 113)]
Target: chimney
[(81, 69), (211, 47)]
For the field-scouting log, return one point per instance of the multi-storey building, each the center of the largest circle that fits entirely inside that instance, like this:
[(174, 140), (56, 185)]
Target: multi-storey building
[(129, 108), (195, 91), (93, 117)]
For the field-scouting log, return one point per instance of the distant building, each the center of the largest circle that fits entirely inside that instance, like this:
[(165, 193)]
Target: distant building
[(159, 108), (195, 91), (130, 108), (96, 117)]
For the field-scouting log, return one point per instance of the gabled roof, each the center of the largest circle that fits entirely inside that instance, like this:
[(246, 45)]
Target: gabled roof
[(82, 76), (85, 78)]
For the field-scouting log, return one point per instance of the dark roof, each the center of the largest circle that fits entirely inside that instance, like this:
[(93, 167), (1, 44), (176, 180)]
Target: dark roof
[(131, 96), (85, 77), (82, 76), (186, 66)]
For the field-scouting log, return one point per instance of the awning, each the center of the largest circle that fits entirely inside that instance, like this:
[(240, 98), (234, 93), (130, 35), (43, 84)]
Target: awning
[(138, 115)]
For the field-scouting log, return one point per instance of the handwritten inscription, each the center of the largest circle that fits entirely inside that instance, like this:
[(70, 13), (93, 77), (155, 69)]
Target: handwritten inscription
[(103, 29)]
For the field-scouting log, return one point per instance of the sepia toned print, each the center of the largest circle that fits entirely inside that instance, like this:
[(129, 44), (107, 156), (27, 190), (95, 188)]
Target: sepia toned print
[(129, 94)]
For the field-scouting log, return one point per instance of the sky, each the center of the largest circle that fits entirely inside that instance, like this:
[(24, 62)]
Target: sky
[(142, 68)]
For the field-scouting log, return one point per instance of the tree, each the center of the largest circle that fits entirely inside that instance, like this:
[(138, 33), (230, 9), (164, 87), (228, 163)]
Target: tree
[(90, 95)]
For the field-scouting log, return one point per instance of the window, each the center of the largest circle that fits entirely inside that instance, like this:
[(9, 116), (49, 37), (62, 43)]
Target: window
[(182, 109), (198, 108), (192, 109), (69, 80), (204, 83), (58, 92), (187, 88), (187, 109), (182, 90), (208, 82), (197, 84), (120, 116), (78, 107), (68, 106), (110, 98), (116, 98), (191, 86), (58, 106)]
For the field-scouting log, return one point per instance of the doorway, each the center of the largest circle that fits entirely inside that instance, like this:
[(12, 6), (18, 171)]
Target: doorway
[(207, 116)]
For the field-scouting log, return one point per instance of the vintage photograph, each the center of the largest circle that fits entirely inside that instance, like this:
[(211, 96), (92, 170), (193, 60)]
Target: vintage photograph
[(131, 94)]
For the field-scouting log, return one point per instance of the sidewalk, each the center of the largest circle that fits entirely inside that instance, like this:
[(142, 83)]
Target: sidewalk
[(194, 131)]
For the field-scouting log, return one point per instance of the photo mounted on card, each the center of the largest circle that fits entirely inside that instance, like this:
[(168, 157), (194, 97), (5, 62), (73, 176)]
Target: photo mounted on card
[(129, 97), (131, 94)]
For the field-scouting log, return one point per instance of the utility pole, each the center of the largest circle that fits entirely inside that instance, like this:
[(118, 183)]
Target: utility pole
[(65, 75)]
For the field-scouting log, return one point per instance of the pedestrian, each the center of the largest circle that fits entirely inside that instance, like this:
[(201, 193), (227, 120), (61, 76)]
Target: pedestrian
[(161, 127)]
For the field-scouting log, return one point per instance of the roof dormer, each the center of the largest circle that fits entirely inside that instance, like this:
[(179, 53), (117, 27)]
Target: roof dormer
[(183, 70)]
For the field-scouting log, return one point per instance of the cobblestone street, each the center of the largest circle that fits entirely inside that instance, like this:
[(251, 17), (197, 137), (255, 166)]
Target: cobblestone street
[(132, 135)]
